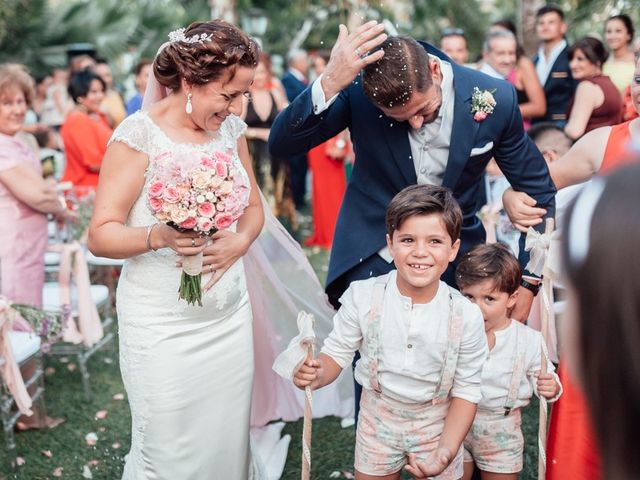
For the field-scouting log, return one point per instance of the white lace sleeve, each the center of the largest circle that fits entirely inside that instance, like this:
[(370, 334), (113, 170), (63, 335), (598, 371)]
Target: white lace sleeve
[(133, 132), (232, 128)]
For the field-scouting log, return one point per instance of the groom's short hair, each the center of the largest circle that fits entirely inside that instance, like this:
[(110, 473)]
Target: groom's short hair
[(390, 81), (424, 200)]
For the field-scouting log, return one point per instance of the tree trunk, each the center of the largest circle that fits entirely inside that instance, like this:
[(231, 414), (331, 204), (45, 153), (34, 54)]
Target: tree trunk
[(527, 28), (224, 9)]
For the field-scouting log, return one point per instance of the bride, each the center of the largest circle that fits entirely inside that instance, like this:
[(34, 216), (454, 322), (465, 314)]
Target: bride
[(188, 370)]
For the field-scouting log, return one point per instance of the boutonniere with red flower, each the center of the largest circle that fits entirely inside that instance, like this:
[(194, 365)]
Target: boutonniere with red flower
[(482, 104)]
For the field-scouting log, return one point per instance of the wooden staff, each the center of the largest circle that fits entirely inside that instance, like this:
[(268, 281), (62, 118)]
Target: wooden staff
[(547, 305), (306, 428)]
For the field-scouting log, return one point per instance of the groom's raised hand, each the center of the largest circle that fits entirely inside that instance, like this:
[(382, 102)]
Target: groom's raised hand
[(350, 54)]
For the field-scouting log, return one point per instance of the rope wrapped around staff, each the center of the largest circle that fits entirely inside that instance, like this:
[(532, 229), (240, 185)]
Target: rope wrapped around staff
[(286, 365), (539, 246)]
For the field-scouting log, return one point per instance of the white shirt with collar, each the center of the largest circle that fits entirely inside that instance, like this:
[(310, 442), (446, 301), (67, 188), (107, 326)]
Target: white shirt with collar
[(492, 72), (498, 369), (429, 144), (412, 342), (298, 74), (544, 65)]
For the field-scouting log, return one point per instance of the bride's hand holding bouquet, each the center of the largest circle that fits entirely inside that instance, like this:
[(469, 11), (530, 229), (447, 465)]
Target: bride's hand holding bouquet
[(198, 195)]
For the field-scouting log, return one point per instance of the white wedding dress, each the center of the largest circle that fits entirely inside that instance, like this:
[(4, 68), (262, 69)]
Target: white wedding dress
[(187, 370)]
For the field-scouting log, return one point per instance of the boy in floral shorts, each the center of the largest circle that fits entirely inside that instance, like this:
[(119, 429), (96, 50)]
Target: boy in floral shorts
[(489, 275), (422, 347)]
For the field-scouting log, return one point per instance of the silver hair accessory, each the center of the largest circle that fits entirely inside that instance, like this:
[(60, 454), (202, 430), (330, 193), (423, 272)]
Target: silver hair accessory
[(179, 36), (580, 224)]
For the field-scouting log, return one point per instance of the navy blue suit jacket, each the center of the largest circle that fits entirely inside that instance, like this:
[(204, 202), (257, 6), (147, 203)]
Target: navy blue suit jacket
[(292, 86), (384, 165), (558, 89)]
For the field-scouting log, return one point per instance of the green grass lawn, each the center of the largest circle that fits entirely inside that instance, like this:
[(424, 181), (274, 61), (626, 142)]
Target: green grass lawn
[(65, 447)]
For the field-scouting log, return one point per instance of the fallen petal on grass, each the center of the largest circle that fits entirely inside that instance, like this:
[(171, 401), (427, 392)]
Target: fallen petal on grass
[(86, 472), (116, 445), (118, 396), (49, 371), (47, 453), (101, 414), (72, 367), (57, 472), (91, 438), (20, 461)]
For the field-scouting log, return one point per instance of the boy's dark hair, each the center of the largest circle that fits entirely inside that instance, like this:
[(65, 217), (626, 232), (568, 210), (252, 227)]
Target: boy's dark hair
[(550, 9), (493, 262), (424, 200)]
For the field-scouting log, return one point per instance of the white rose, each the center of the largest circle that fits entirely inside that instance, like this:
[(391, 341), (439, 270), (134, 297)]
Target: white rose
[(200, 199), (209, 196), (226, 188)]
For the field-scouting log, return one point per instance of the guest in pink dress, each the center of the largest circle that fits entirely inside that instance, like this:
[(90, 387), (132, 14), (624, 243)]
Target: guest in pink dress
[(25, 198)]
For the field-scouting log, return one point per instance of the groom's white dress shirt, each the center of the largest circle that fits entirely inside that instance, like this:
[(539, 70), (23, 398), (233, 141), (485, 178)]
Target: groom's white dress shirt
[(429, 144)]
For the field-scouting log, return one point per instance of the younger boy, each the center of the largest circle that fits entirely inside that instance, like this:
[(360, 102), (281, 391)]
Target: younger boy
[(489, 275), (421, 343)]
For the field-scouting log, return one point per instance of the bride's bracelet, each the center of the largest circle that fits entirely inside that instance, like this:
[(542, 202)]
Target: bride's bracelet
[(148, 239)]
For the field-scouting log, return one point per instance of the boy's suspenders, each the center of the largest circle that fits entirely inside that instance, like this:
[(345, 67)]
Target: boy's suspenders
[(373, 328), (518, 371), (453, 341), (453, 348)]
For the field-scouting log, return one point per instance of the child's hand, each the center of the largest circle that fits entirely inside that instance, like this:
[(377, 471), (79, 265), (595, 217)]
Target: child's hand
[(308, 374), (436, 462), (547, 385)]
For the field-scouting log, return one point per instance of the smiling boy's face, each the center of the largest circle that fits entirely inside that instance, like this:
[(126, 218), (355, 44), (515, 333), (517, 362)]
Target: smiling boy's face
[(422, 250)]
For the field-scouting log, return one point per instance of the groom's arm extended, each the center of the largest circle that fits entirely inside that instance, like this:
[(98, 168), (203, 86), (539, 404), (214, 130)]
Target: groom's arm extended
[(525, 168), (297, 129)]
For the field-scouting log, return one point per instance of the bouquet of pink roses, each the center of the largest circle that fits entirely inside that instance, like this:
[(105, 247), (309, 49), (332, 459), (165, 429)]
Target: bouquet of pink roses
[(197, 192)]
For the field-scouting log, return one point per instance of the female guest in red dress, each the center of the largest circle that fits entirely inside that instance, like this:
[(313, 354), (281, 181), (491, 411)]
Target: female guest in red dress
[(329, 182)]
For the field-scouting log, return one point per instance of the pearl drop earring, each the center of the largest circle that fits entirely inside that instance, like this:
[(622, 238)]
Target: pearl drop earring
[(189, 107)]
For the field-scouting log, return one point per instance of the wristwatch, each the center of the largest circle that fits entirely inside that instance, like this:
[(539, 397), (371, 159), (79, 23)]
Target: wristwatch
[(530, 286)]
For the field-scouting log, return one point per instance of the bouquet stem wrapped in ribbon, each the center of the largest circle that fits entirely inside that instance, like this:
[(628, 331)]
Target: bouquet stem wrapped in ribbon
[(200, 193)]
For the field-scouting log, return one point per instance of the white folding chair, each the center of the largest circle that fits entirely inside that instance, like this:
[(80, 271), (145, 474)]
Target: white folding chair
[(100, 297)]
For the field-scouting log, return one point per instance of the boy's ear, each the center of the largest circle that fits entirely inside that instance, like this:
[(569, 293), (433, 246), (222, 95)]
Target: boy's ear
[(389, 243), (512, 299), (454, 250)]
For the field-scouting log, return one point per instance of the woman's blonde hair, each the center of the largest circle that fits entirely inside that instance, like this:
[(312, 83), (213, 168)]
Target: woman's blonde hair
[(14, 75)]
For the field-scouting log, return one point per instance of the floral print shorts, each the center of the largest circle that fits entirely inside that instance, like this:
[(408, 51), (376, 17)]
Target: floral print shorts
[(388, 430), (495, 442)]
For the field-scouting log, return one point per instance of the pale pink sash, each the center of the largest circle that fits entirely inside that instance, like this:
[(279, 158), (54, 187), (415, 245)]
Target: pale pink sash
[(9, 369), (90, 328)]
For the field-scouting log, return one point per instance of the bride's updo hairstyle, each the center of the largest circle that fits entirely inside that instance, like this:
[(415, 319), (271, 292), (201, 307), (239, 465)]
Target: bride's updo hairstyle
[(221, 49)]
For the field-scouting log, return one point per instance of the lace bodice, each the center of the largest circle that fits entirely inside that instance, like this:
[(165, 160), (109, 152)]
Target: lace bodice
[(140, 133)]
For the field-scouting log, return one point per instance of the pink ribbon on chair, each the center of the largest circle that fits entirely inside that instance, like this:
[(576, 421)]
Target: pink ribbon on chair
[(10, 370), (90, 326)]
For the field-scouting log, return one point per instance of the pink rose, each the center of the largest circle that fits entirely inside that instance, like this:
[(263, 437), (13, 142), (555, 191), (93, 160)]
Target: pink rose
[(222, 156), (226, 187), (221, 169), (156, 204), (156, 188), (206, 209), (479, 116), (171, 194), (189, 223), (223, 220), (205, 225), (199, 180), (206, 163)]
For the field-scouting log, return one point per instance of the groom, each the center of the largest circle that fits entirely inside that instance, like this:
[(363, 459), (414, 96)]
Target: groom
[(409, 109), (411, 114)]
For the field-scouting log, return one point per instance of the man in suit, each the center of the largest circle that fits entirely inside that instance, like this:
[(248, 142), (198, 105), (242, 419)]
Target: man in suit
[(295, 82), (411, 121), (552, 64)]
